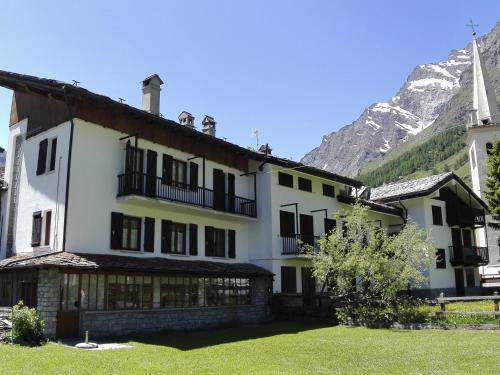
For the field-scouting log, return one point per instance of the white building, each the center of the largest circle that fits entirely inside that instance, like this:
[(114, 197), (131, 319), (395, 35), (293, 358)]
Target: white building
[(484, 129), (114, 211)]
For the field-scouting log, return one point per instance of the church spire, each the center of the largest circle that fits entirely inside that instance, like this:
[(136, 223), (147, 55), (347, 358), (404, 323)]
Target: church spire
[(485, 107)]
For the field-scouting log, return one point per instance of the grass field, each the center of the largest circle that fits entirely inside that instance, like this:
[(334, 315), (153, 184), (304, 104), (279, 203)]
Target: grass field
[(274, 348)]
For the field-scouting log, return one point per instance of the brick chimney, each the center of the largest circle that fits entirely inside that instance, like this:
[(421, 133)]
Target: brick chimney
[(151, 94), (209, 125)]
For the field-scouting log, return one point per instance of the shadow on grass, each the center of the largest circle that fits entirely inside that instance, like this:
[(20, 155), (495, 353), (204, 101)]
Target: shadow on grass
[(189, 340)]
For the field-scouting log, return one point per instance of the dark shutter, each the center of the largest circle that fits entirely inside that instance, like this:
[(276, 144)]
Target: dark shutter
[(151, 173), (231, 246), (287, 223), (209, 241), (305, 184), (166, 236), (193, 176), (149, 234), (42, 157), (307, 229), (440, 258), (116, 230), (437, 216), (288, 280), (193, 239), (36, 230), (285, 179), (330, 224), (230, 192), (166, 175), (53, 152), (48, 219), (219, 190)]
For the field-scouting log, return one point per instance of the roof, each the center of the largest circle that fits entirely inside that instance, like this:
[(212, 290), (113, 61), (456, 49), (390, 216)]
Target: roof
[(89, 262), (61, 89), (375, 206), (418, 188)]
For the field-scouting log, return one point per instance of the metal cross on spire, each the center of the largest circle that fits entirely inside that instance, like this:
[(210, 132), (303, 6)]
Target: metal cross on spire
[(472, 26)]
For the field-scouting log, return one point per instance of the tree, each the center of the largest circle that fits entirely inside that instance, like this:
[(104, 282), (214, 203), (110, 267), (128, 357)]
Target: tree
[(361, 261), (492, 193)]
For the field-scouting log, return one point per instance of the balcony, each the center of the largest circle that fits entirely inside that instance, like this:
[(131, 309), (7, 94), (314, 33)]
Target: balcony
[(154, 187), (295, 244), (468, 256), (465, 216)]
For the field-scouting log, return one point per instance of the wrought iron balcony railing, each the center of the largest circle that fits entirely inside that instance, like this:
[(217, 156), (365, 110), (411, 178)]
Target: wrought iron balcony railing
[(155, 187), (298, 243), (468, 256)]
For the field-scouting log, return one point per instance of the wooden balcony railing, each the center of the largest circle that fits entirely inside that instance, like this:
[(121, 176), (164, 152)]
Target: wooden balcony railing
[(297, 243), (468, 256), (155, 187)]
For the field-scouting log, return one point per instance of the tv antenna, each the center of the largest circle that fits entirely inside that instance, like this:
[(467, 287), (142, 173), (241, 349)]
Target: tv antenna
[(76, 83), (255, 134), (121, 100)]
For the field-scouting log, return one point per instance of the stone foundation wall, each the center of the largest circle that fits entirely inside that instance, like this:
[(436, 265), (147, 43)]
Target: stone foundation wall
[(123, 322), (48, 299)]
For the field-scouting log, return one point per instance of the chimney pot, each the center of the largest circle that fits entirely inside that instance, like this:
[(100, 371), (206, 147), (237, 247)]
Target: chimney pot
[(209, 125), (151, 87), (186, 119)]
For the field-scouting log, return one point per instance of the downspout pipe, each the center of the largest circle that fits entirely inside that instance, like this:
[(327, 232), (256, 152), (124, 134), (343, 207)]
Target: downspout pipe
[(68, 168)]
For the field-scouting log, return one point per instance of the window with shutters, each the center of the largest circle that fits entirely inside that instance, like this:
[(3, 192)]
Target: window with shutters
[(437, 215), (440, 259), (285, 179), (329, 190), (36, 230), (53, 153), (173, 237), (42, 157), (288, 280), (305, 184), (131, 233), (179, 173), (215, 242)]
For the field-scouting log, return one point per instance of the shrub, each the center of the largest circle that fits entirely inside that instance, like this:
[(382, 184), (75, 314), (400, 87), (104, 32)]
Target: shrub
[(27, 327)]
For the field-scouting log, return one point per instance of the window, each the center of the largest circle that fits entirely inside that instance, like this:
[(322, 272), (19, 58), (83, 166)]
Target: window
[(329, 190), (437, 216), (469, 277), (440, 259), (36, 230), (45, 149), (42, 157), (52, 153), (95, 291), (473, 157), (288, 280), (215, 242), (178, 238), (305, 184), (131, 234), (48, 219), (125, 232), (173, 237), (285, 179), (179, 173)]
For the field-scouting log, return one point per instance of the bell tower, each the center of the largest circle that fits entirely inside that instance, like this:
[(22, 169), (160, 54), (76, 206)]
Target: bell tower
[(483, 129)]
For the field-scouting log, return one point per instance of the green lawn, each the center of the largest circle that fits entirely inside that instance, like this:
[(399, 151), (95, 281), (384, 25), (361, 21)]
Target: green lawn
[(274, 348)]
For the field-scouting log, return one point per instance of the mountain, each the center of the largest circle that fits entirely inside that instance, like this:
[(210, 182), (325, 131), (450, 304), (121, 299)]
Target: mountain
[(433, 98)]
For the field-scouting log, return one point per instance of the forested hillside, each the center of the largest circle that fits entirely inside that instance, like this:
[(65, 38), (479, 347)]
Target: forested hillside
[(441, 153)]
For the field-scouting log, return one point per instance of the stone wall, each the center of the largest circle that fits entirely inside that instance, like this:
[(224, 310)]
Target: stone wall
[(123, 322), (48, 299)]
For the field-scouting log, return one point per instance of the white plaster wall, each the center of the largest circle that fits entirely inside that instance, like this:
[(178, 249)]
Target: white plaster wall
[(36, 193), (98, 157)]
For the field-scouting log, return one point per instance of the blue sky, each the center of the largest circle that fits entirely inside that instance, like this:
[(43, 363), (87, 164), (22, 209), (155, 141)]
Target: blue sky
[(296, 70)]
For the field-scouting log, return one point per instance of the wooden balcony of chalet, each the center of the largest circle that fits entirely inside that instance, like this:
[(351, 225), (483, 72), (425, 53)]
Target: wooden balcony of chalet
[(468, 256)]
